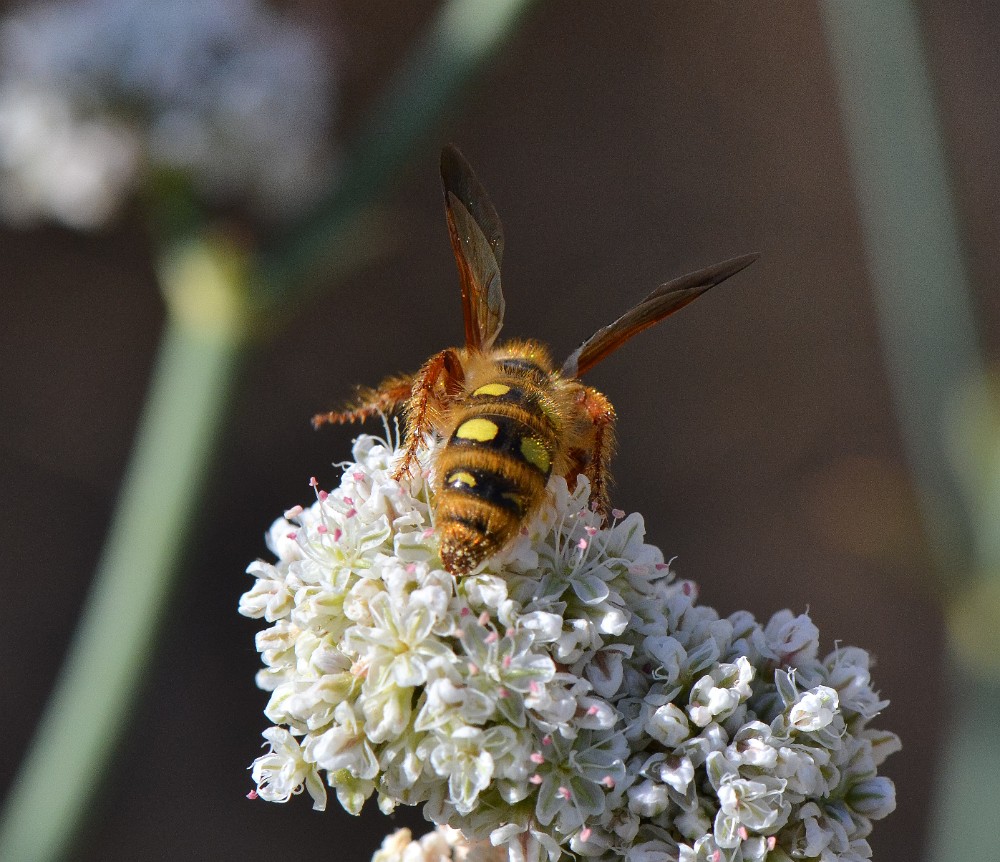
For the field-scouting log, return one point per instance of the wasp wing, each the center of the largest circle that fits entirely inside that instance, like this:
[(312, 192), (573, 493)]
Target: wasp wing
[(662, 302), (477, 240)]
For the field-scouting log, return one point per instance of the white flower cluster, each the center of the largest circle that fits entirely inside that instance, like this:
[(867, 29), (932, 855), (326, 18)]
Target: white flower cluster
[(223, 95), (444, 844), (569, 698)]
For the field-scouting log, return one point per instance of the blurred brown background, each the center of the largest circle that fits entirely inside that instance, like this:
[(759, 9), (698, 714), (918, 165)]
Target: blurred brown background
[(623, 144)]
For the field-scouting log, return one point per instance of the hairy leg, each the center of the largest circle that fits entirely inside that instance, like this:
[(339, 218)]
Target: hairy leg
[(602, 414), (386, 398), (425, 397)]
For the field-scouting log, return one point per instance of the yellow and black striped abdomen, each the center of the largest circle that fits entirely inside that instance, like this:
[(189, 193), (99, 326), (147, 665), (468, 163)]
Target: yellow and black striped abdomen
[(492, 471)]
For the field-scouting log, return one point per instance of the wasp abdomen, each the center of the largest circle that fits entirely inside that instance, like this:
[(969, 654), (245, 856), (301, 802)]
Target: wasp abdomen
[(488, 486), (492, 473)]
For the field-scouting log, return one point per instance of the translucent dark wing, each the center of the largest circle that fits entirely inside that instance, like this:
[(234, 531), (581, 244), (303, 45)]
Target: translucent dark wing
[(477, 240), (662, 302)]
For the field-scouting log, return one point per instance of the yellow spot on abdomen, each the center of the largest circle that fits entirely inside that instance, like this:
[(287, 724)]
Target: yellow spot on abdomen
[(535, 453), (462, 478), (477, 429), (493, 389)]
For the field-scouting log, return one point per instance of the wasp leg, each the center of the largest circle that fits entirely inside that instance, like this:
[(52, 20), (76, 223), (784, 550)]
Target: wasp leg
[(388, 397), (602, 414), (425, 398)]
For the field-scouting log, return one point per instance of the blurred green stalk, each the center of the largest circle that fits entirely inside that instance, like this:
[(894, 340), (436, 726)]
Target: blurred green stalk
[(213, 295), (921, 289), (462, 36), (932, 351), (90, 706)]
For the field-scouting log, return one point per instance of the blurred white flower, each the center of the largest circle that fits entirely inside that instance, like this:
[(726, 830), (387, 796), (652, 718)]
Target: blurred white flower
[(441, 845), (569, 698), (225, 97), (58, 164)]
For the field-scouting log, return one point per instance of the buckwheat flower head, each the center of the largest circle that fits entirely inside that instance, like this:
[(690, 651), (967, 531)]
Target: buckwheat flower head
[(568, 698), (224, 97)]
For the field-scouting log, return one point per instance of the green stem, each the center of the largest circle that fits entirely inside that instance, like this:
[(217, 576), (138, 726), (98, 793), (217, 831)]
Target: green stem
[(932, 351), (929, 336), (458, 41), (90, 706)]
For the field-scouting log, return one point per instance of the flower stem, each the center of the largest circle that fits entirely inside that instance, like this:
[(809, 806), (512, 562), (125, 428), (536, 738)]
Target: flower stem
[(91, 702), (932, 349), (921, 288), (458, 41)]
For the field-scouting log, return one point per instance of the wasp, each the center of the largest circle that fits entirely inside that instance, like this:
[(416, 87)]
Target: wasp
[(506, 417)]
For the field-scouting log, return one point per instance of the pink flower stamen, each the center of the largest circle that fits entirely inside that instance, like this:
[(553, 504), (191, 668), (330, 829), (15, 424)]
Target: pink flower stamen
[(536, 757), (294, 512), (350, 513), (582, 544), (323, 495), (535, 779), (608, 782), (617, 514), (492, 638), (585, 834), (564, 793), (252, 794), (322, 529), (292, 536)]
